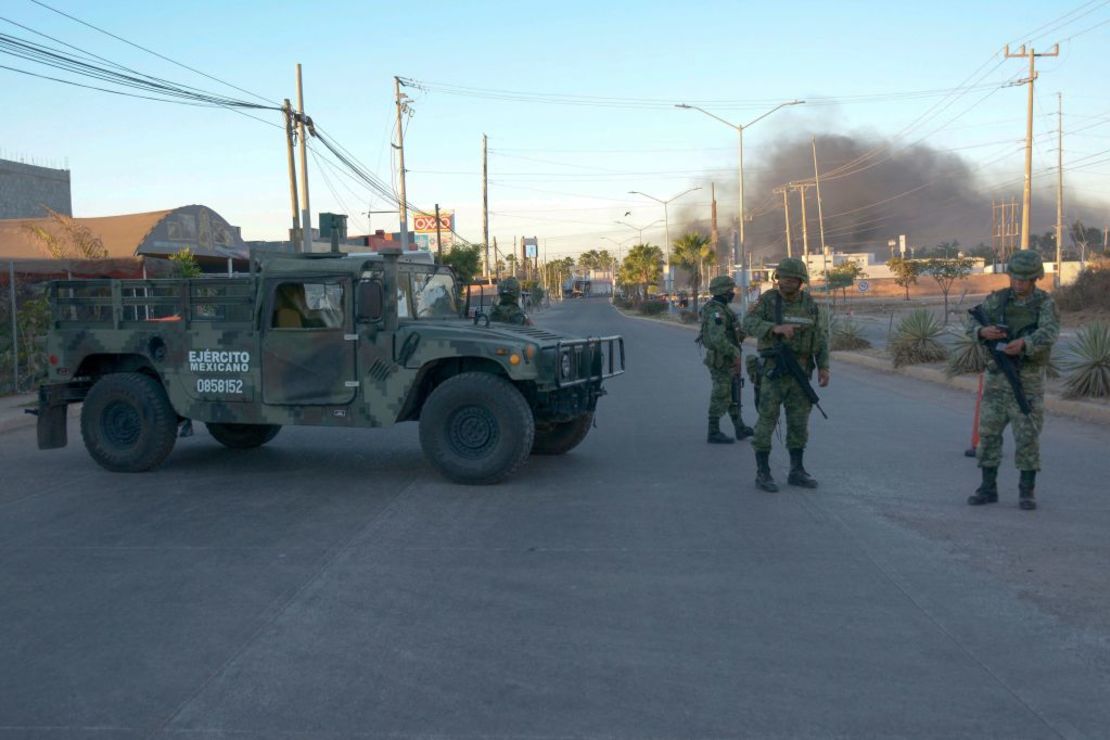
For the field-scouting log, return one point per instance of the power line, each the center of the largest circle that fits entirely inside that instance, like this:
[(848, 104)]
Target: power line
[(151, 51)]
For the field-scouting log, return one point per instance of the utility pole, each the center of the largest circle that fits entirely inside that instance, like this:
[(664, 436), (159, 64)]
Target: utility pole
[(485, 202), (306, 214), (496, 260), (402, 205), (287, 111), (786, 210), (1059, 184), (801, 188), (817, 184), (439, 239), (713, 233), (1027, 194)]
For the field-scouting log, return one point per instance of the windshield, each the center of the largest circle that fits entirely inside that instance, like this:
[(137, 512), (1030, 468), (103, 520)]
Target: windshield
[(433, 295)]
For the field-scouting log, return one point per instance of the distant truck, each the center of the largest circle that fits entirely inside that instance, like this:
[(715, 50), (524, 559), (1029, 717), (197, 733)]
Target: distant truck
[(576, 287), (319, 340)]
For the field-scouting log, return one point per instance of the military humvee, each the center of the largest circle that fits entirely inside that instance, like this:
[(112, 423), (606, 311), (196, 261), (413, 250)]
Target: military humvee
[(317, 339)]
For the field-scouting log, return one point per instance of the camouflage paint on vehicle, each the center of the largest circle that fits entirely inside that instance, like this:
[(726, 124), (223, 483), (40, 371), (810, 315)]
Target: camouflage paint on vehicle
[(230, 350)]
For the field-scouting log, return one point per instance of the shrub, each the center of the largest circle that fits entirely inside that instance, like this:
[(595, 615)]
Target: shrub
[(916, 340), (1087, 363), (846, 334), (1090, 290), (621, 302), (968, 356), (653, 308)]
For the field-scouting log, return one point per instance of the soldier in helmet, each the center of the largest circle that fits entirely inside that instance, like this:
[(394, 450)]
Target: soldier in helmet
[(1024, 324), (508, 310), (721, 336), (787, 314)]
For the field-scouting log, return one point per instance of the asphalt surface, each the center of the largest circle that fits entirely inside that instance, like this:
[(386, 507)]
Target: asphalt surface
[(331, 585)]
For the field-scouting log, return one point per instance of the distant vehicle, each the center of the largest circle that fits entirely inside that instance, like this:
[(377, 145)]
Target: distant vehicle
[(576, 287), (317, 340)]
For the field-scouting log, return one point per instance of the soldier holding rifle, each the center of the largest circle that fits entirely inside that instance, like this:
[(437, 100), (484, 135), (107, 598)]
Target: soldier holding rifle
[(793, 341), (1019, 325), (721, 336)]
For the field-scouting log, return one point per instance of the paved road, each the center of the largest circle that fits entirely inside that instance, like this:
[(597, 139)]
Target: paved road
[(331, 585)]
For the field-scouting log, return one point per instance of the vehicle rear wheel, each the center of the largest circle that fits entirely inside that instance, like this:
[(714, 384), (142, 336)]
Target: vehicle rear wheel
[(557, 438), (127, 423), (242, 436), (476, 428)]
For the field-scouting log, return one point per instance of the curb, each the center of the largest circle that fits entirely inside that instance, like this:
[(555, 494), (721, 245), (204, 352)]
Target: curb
[(1089, 412)]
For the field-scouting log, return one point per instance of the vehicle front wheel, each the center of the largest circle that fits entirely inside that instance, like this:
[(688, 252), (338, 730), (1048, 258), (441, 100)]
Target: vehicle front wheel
[(476, 428), (127, 423), (242, 436), (560, 437)]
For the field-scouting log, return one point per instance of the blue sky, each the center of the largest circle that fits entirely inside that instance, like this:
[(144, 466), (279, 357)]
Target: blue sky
[(558, 171)]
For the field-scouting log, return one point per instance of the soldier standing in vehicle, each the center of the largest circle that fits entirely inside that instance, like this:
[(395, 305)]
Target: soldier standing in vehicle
[(721, 336), (1024, 323), (789, 315), (508, 310)]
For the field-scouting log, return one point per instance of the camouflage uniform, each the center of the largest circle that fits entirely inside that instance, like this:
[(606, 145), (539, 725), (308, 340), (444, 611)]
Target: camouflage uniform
[(721, 336), (1036, 320), (811, 348), (508, 310)]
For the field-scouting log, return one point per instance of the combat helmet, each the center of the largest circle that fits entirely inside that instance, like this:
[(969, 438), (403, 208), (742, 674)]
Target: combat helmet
[(1026, 265), (792, 267), (721, 285), (509, 286)]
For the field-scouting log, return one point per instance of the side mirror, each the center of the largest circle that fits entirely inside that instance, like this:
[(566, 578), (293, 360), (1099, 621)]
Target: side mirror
[(370, 300)]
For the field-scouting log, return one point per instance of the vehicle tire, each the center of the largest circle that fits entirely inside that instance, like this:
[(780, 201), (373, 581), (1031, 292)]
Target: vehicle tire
[(558, 438), (127, 423), (476, 428), (242, 436)]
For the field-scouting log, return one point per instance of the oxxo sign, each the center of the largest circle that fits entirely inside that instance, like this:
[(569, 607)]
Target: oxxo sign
[(427, 222)]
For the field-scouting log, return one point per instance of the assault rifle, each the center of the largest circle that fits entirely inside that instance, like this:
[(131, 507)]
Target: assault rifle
[(737, 386), (787, 363), (1010, 366)]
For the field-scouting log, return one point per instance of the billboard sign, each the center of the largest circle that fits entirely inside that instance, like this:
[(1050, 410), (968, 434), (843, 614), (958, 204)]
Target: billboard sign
[(424, 226)]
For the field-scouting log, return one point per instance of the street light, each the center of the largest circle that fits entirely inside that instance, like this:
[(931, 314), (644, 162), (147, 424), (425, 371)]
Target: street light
[(640, 229), (739, 128), (666, 222)]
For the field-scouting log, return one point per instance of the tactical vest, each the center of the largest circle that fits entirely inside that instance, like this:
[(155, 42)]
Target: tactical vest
[(1022, 319), (713, 359)]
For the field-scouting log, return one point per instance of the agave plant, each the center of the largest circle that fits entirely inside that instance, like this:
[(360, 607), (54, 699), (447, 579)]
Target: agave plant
[(1087, 363), (917, 339), (847, 335), (967, 355)]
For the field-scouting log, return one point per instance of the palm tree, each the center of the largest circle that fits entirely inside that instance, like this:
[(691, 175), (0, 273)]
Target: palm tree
[(692, 252), (642, 267)]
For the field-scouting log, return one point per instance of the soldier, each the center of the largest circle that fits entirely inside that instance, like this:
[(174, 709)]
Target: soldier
[(721, 336), (1024, 324), (508, 310), (789, 315)]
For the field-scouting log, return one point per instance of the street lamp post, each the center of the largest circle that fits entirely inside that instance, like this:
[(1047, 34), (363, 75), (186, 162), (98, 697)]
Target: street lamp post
[(666, 225), (640, 229), (739, 128)]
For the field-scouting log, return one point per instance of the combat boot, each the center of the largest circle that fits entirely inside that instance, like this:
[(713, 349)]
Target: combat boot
[(798, 475), (743, 431), (715, 436), (987, 492), (763, 479), (1025, 490)]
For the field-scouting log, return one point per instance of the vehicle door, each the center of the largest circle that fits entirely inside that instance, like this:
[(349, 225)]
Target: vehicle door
[(308, 344)]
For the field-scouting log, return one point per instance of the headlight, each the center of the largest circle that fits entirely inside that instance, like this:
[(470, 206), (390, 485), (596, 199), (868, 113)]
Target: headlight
[(565, 366)]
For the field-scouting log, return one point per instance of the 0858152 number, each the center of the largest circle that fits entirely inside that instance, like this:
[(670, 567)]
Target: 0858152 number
[(219, 385)]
